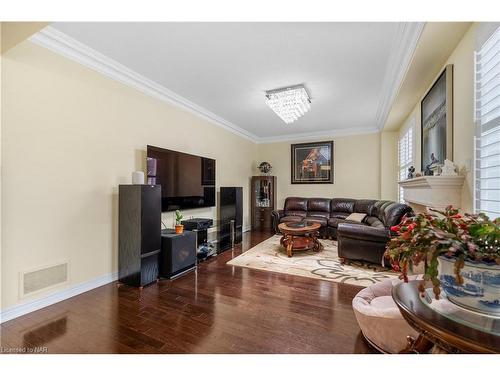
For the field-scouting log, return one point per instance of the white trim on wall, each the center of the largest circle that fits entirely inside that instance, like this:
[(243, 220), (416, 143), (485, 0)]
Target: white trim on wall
[(39, 303), (404, 47), (63, 44), (402, 51)]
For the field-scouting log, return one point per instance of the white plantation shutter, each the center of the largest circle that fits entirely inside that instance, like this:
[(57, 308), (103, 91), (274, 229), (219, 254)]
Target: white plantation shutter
[(487, 117), (405, 154)]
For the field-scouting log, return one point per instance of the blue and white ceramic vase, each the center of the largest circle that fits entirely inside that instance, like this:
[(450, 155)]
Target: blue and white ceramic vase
[(480, 291)]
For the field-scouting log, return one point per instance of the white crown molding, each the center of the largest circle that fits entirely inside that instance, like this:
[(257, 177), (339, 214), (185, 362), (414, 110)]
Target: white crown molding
[(39, 303), (63, 44), (316, 135), (404, 46)]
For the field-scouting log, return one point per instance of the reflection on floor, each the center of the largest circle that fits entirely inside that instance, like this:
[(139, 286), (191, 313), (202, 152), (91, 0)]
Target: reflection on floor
[(218, 309)]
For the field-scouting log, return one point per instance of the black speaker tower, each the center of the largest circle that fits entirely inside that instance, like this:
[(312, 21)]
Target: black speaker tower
[(231, 209), (139, 233)]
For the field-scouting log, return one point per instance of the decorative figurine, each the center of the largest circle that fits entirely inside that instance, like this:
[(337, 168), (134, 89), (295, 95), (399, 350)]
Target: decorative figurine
[(449, 169), (265, 168), (411, 172), (434, 160), (428, 171)]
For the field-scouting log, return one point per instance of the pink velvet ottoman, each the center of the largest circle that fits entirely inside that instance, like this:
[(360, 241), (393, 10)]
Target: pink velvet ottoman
[(379, 318)]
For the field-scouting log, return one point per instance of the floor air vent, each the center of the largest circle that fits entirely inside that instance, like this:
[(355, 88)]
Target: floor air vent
[(42, 278)]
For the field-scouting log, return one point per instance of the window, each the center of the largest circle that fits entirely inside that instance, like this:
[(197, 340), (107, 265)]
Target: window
[(405, 153), (487, 117)]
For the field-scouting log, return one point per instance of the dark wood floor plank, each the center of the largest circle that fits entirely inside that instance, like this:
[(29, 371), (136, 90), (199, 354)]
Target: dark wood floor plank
[(217, 309)]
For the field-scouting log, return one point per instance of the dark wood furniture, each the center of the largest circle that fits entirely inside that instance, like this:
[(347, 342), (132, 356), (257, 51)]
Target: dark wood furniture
[(230, 217), (300, 236), (263, 190), (439, 333), (178, 253), (139, 233)]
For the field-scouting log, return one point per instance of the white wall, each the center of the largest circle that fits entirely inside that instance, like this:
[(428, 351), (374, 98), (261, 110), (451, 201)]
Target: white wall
[(356, 169), (389, 161), (70, 136)]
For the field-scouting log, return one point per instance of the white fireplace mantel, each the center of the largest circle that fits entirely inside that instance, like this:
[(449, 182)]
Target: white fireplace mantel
[(422, 193)]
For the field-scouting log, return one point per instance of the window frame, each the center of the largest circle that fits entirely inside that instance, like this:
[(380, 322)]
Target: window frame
[(409, 126), (479, 130)]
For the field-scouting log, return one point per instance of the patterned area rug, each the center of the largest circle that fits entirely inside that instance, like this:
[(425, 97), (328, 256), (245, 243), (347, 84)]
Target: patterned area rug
[(325, 265)]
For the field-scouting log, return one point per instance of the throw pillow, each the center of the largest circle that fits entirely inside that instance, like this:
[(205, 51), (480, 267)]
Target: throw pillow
[(356, 217)]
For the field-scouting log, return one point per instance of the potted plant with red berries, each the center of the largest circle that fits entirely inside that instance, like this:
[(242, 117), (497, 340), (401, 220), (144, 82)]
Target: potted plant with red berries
[(462, 255)]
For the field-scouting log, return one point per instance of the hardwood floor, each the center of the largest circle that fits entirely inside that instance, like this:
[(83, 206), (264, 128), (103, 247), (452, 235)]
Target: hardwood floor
[(218, 309)]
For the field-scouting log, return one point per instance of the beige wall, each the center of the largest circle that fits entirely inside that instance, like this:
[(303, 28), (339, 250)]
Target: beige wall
[(389, 161), (69, 137), (462, 59), (1, 252), (356, 169)]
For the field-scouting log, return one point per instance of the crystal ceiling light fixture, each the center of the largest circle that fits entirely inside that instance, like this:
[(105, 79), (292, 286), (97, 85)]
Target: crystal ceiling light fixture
[(289, 103)]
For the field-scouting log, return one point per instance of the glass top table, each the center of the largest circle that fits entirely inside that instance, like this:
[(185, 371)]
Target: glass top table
[(444, 325), (482, 322)]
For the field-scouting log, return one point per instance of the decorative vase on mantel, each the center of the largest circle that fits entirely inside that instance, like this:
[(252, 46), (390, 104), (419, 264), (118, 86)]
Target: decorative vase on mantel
[(480, 290)]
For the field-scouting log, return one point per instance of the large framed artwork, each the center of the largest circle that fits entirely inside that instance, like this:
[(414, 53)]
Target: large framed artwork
[(437, 122), (312, 163)]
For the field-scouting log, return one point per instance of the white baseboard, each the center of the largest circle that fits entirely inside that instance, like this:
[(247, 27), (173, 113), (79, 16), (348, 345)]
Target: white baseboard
[(39, 303)]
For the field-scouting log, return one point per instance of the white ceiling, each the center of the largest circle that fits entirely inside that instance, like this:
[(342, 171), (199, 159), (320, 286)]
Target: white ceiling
[(351, 70)]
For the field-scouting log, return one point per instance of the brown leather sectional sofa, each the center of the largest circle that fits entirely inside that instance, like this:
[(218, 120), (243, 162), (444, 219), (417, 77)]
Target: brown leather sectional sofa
[(356, 241)]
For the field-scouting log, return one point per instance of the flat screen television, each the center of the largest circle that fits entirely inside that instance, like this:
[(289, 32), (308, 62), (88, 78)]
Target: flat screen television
[(187, 181)]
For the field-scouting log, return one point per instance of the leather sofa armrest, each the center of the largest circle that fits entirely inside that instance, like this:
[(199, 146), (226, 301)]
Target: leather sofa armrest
[(277, 215), (363, 232)]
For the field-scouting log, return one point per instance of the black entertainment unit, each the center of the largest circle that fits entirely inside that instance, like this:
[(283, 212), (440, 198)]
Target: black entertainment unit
[(178, 253)]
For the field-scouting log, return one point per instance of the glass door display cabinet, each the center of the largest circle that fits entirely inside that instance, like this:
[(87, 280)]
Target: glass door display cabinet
[(263, 201)]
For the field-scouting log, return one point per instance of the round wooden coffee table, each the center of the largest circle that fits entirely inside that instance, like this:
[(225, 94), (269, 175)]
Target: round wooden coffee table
[(300, 236)]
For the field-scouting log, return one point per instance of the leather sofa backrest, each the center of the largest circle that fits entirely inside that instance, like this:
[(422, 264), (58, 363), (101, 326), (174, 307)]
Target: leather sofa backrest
[(295, 206), (343, 205), (318, 207), (393, 212), (364, 206), (378, 209), (380, 212)]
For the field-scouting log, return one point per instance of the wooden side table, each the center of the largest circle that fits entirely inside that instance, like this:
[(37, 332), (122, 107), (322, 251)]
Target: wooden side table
[(453, 330)]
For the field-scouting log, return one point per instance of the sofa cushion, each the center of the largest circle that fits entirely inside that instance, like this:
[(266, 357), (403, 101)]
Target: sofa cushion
[(339, 215), (317, 219), (343, 205), (356, 216), (374, 222), (301, 214), (364, 206), (291, 219), (362, 232), (318, 205), (294, 204), (335, 221), (394, 212), (383, 303), (325, 215)]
